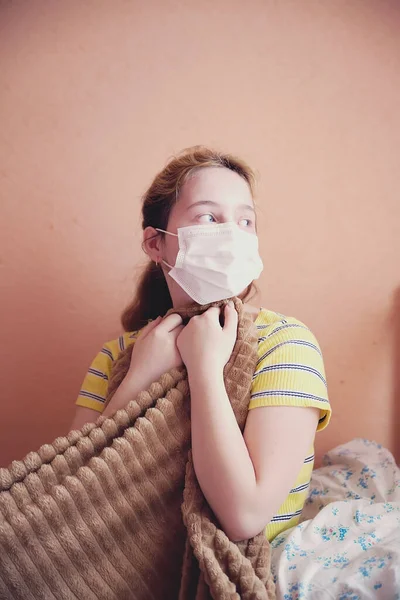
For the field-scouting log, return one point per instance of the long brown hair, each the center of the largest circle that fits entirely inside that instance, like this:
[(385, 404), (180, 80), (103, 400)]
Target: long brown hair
[(152, 296)]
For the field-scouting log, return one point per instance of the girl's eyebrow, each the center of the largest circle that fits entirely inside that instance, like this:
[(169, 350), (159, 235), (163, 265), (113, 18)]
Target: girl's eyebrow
[(211, 203)]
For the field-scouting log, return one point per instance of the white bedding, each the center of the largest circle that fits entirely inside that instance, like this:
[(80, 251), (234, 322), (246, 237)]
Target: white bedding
[(347, 546)]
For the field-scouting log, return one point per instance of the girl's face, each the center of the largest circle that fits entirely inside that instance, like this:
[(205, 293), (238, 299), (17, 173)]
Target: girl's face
[(211, 195)]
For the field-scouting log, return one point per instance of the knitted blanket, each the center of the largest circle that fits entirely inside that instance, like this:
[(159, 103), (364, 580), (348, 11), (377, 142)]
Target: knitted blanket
[(114, 511)]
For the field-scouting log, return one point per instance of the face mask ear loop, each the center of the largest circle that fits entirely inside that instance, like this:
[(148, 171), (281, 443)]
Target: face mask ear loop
[(168, 232)]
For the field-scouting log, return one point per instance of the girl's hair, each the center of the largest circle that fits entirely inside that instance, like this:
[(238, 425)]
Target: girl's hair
[(152, 298)]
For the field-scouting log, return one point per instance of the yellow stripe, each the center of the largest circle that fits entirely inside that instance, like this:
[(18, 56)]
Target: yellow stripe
[(272, 529), (89, 403)]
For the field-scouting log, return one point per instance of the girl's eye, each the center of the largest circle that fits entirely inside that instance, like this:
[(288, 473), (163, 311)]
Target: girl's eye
[(206, 218), (245, 223)]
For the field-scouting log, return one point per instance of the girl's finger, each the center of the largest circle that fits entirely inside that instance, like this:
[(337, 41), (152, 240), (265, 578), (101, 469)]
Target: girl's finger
[(169, 323), (149, 327), (213, 312), (231, 318), (176, 332)]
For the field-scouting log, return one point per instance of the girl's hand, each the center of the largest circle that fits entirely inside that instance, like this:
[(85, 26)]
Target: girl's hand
[(155, 351), (206, 346)]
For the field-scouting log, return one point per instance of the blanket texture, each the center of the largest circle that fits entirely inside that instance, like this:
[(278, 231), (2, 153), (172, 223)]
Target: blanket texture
[(114, 511)]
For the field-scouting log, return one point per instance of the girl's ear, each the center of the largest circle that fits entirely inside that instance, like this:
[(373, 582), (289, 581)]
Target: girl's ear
[(152, 244)]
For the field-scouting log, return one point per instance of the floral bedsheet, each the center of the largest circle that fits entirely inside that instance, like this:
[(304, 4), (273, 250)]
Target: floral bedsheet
[(347, 545)]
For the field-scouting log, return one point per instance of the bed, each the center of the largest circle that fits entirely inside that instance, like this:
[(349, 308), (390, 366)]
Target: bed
[(347, 544)]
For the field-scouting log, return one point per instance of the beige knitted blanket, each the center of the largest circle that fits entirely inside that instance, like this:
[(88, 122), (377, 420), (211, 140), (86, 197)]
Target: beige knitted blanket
[(114, 511)]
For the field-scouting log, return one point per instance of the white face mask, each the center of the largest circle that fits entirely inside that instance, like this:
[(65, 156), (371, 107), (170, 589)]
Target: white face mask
[(215, 262)]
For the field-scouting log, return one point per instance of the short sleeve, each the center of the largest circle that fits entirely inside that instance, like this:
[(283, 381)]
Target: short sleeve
[(94, 388), (290, 370), (93, 392)]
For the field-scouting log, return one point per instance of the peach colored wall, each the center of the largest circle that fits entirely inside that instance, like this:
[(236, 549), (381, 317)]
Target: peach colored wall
[(96, 95)]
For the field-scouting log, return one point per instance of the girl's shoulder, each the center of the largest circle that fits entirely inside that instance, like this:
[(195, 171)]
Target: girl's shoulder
[(272, 325), (269, 318), (113, 347)]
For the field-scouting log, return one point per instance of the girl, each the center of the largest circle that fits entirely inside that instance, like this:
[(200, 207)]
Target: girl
[(199, 232)]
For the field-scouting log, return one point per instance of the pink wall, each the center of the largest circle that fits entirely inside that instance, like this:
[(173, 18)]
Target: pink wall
[(96, 95)]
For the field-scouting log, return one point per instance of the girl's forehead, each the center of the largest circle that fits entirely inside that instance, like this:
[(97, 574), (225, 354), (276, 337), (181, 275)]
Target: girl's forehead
[(215, 184)]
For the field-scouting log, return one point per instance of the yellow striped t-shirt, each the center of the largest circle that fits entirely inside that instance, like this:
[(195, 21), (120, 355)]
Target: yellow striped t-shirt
[(289, 372)]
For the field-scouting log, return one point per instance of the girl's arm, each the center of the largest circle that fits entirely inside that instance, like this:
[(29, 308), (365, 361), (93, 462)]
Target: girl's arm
[(238, 474), (246, 478)]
